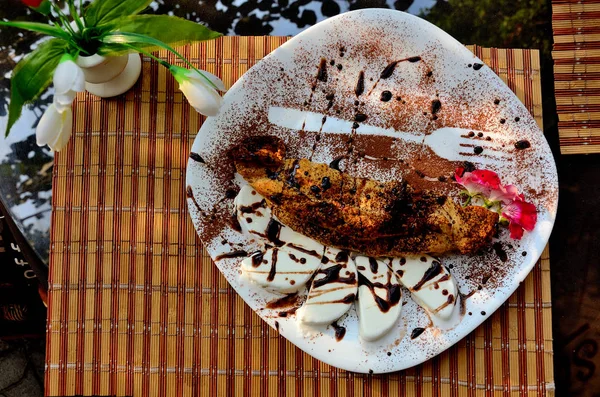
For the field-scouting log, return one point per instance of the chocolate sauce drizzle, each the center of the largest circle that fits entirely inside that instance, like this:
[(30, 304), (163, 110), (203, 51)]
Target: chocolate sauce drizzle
[(273, 231), (416, 332), (434, 270), (196, 157), (393, 292), (340, 331), (257, 258), (332, 275), (251, 209), (322, 74), (335, 164), (523, 144), (373, 265), (233, 254), (273, 270), (500, 251), (302, 249), (291, 301), (342, 256), (388, 71), (360, 84)]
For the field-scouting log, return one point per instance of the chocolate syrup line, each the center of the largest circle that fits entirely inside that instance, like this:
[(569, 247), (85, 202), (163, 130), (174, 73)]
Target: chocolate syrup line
[(190, 194), (267, 271), (316, 294), (451, 300), (234, 254), (332, 275), (389, 70), (317, 138)]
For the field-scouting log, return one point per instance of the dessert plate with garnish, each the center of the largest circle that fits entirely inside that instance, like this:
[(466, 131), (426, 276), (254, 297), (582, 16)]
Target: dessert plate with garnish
[(372, 190)]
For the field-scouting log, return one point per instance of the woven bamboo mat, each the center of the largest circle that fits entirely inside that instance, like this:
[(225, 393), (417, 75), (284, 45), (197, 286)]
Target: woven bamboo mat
[(576, 25), (137, 308)]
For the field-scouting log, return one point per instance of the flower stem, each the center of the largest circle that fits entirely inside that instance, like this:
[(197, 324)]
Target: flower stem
[(157, 59), (151, 40)]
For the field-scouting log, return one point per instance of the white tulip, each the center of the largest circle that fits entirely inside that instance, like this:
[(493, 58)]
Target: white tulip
[(55, 127), (199, 89), (68, 81)]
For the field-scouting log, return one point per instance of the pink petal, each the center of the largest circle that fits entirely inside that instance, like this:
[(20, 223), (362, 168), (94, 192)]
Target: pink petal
[(522, 213), (516, 231), (486, 178)]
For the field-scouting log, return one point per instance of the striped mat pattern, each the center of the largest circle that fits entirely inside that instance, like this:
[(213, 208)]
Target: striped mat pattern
[(136, 307), (576, 54)]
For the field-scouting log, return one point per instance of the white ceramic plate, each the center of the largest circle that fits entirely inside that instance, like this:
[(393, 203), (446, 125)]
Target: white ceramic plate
[(471, 97)]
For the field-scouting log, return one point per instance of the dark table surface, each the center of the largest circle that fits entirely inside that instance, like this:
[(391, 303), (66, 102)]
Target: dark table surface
[(25, 169)]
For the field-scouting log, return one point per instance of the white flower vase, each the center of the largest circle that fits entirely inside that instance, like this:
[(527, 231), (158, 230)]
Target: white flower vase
[(109, 76)]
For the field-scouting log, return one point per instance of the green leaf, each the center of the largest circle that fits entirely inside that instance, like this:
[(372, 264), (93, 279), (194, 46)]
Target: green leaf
[(168, 29), (39, 27), (43, 8), (105, 11), (32, 75)]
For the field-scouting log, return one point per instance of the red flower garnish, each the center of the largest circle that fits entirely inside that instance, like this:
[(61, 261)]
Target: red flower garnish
[(506, 199), (479, 181), (32, 3), (521, 215)]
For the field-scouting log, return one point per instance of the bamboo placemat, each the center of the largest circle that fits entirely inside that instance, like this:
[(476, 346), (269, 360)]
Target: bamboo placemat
[(576, 25), (137, 308)]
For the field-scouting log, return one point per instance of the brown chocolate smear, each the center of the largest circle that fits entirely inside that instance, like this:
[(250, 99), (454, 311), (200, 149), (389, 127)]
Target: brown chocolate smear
[(289, 312), (500, 251), (373, 265), (308, 252), (231, 193), (360, 117), (233, 254), (339, 331), (523, 144), (196, 157), (335, 164), (389, 70), (322, 74), (393, 292), (273, 230), (342, 256), (286, 301), (332, 275), (386, 96), (250, 209), (235, 224), (360, 84), (434, 270), (257, 258), (416, 332), (436, 105), (273, 269)]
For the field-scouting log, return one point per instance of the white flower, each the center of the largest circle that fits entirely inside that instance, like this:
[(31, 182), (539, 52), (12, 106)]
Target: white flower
[(200, 89), (55, 126), (68, 81)]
